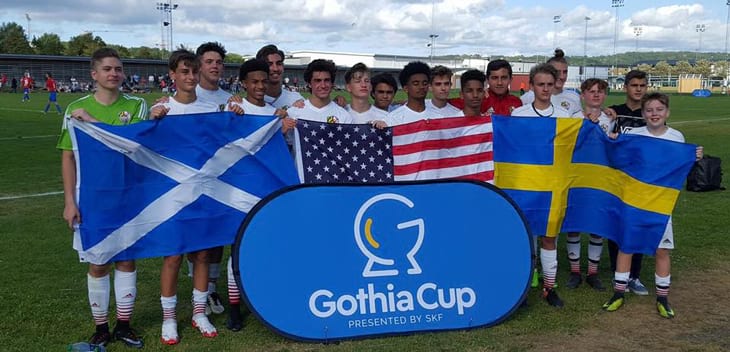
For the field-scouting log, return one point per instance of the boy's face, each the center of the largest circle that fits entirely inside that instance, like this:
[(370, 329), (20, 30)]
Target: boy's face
[(499, 81), (472, 93), (383, 95), (635, 89), (108, 73), (255, 85), (543, 85), (441, 87), (562, 74), (276, 68), (417, 86), (594, 97), (211, 67), (185, 77), (655, 114), (321, 84), (359, 86)]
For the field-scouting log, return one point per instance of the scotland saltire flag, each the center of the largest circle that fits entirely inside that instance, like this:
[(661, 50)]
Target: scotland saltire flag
[(567, 176), (424, 150), (172, 186)]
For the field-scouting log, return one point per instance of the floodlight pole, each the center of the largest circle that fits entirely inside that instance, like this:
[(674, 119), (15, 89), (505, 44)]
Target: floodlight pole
[(616, 4)]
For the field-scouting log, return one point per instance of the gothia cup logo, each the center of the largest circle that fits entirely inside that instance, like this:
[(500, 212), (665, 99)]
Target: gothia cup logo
[(364, 229)]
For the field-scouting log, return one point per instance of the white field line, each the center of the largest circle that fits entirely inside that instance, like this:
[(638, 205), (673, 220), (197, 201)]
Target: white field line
[(22, 196), (28, 137), (693, 121)]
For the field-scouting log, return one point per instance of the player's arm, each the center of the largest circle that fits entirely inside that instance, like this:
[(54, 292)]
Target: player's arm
[(68, 172)]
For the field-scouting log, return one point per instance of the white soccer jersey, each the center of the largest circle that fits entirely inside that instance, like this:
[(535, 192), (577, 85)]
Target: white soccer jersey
[(365, 117), (670, 134), (196, 107), (284, 100), (567, 99), (218, 97), (404, 115), (251, 109), (331, 112), (551, 111), (606, 123), (447, 111)]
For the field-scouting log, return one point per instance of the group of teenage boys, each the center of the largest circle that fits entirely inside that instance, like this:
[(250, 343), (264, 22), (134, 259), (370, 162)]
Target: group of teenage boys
[(196, 76)]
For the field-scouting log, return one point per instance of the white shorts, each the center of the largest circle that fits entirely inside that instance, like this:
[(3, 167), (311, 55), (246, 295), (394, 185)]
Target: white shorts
[(667, 241)]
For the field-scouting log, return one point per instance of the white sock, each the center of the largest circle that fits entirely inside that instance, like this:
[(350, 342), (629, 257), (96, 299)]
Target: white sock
[(125, 293), (549, 259), (99, 288), (169, 305)]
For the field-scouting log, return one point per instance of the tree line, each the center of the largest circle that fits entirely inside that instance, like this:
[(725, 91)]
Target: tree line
[(13, 40)]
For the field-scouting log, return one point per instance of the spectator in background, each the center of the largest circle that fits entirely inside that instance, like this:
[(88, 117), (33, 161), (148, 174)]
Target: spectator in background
[(14, 85)]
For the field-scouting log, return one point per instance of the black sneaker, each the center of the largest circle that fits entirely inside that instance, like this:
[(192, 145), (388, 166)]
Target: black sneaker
[(551, 297), (128, 336), (101, 338), (214, 304), (574, 280), (594, 282), (234, 321)]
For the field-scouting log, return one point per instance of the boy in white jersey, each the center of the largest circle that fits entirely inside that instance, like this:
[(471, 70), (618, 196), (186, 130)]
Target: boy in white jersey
[(211, 56), (655, 109), (384, 87), (253, 75), (542, 82), (320, 75), (357, 82), (472, 92), (593, 94), (184, 69), (440, 90), (414, 78), (275, 95), (566, 99)]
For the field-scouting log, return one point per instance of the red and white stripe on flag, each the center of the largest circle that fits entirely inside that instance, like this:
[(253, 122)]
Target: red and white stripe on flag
[(457, 147)]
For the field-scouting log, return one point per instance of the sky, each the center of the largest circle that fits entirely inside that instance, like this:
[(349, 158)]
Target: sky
[(395, 27)]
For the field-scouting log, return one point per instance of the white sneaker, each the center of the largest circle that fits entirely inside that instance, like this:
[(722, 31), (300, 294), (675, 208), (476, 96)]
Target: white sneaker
[(201, 322), (169, 334), (214, 304)]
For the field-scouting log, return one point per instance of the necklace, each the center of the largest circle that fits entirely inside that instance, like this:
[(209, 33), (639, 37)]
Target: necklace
[(541, 115)]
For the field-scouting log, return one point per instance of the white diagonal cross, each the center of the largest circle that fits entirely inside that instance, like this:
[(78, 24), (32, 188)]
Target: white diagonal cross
[(192, 184)]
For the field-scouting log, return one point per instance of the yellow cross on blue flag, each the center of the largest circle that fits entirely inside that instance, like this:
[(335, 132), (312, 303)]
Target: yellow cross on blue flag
[(567, 176)]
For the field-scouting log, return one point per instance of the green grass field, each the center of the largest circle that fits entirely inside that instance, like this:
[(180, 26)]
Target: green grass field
[(44, 306)]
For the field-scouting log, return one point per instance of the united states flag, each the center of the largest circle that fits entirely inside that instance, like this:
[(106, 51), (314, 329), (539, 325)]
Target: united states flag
[(429, 149)]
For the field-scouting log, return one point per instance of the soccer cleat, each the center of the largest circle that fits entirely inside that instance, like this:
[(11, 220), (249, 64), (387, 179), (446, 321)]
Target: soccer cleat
[(637, 288), (214, 304), (594, 282), (535, 279), (551, 297), (169, 334), (574, 280), (662, 306), (101, 338), (614, 303), (201, 322), (128, 336)]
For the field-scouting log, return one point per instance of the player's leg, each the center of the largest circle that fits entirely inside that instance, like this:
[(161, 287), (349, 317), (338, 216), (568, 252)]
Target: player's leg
[(595, 248), (620, 281), (168, 298), (572, 244), (200, 293), (99, 288), (234, 322), (215, 256), (549, 260), (125, 294)]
